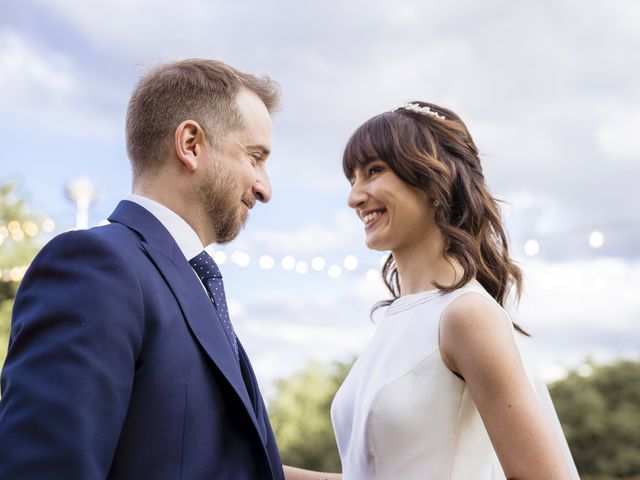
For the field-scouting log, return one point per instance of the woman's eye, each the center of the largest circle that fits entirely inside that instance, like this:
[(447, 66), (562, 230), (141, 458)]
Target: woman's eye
[(374, 170)]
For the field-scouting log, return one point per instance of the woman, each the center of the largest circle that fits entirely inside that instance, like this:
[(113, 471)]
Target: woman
[(441, 391)]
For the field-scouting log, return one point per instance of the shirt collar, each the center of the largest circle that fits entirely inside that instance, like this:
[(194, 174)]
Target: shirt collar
[(181, 231)]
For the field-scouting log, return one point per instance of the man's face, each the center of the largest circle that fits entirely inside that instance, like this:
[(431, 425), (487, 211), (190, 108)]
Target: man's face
[(236, 173)]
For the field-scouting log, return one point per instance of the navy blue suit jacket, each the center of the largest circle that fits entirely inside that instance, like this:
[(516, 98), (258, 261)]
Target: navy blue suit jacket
[(119, 368)]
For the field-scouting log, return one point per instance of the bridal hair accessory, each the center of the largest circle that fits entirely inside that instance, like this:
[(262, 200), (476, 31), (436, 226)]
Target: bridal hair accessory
[(414, 107)]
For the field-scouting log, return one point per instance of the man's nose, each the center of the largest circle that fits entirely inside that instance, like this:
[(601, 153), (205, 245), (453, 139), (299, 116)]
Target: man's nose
[(262, 188)]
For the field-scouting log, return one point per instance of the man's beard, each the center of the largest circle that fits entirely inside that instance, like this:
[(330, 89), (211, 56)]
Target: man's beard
[(218, 197)]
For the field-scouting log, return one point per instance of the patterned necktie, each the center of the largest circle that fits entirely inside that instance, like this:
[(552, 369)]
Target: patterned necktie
[(211, 277)]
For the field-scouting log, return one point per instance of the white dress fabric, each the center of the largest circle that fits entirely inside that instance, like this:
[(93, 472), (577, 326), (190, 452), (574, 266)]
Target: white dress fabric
[(402, 414)]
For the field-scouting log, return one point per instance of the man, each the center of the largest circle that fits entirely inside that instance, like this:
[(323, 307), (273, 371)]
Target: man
[(123, 362)]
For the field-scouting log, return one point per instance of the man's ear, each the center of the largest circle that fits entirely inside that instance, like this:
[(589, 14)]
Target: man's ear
[(191, 143)]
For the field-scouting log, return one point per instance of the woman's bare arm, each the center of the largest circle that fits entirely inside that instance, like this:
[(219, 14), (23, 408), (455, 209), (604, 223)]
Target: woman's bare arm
[(477, 342)]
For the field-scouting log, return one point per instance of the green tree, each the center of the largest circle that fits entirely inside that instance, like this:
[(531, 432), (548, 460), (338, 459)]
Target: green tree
[(300, 416), (19, 243), (600, 415)]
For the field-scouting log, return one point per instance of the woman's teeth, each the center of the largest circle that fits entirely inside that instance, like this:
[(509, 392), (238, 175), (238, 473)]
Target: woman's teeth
[(370, 217)]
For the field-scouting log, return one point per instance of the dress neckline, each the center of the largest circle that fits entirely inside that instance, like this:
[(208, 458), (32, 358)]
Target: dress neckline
[(410, 300), (405, 302)]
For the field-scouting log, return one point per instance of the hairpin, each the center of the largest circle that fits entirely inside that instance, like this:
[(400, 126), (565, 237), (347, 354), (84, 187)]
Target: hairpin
[(414, 107)]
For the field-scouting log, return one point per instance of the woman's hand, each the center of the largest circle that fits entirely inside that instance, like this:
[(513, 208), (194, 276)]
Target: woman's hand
[(293, 473)]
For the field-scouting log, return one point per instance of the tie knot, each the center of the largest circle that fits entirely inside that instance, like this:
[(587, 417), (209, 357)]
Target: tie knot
[(204, 266)]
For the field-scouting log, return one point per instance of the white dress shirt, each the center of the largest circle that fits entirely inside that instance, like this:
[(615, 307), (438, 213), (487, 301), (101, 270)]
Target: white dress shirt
[(181, 231)]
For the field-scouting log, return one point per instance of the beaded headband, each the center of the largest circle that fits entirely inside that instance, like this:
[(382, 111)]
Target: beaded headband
[(414, 107)]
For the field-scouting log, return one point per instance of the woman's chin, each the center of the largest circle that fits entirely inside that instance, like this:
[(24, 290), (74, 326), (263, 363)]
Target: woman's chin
[(376, 244)]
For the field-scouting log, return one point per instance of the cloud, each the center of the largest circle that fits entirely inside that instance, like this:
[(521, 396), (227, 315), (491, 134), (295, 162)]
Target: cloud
[(537, 88), (24, 72), (43, 88), (620, 139), (534, 87), (583, 308), (581, 293), (138, 28)]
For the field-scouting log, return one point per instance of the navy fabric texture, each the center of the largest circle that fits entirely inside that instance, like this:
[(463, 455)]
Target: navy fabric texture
[(118, 368)]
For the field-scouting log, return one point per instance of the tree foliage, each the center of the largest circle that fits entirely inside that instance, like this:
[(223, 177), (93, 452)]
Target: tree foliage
[(300, 416), (14, 252), (600, 415)]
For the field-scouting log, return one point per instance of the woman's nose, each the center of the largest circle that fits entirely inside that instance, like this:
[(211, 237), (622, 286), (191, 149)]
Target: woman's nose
[(357, 196)]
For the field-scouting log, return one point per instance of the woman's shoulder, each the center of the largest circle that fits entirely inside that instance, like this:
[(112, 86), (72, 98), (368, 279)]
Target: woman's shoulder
[(474, 322), (472, 309)]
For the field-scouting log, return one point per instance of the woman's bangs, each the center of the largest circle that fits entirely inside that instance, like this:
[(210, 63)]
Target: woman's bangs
[(365, 144)]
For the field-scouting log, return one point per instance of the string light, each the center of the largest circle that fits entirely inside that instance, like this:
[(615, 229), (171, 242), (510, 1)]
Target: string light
[(373, 275), (531, 248), (596, 239), (334, 271), (266, 261), (17, 232), (288, 262), (240, 258), (48, 225), (318, 264), (30, 228), (219, 257), (15, 274), (351, 262)]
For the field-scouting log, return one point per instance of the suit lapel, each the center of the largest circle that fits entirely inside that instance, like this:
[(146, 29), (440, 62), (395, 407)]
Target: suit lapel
[(253, 390), (196, 306)]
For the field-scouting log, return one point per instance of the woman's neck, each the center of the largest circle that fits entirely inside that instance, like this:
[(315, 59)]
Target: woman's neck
[(423, 265)]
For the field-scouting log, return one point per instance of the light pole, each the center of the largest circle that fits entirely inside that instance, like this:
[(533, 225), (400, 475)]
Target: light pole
[(81, 192)]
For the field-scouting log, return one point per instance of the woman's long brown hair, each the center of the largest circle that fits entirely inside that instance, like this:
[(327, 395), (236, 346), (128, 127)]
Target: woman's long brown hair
[(440, 157)]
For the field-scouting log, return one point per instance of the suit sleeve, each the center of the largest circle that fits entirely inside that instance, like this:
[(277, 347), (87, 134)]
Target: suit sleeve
[(76, 333)]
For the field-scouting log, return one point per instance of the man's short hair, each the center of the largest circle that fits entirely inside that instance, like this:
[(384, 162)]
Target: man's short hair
[(193, 89)]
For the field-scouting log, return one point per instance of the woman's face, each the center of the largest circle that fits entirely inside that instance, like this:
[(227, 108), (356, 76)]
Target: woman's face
[(395, 215)]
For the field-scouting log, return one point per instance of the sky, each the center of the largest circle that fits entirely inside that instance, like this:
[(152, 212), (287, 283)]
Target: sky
[(549, 91)]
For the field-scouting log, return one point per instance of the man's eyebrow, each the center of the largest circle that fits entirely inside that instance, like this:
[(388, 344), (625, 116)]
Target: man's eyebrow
[(265, 151)]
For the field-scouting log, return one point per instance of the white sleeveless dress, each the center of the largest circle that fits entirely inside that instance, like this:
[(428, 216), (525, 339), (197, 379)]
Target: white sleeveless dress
[(401, 414)]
